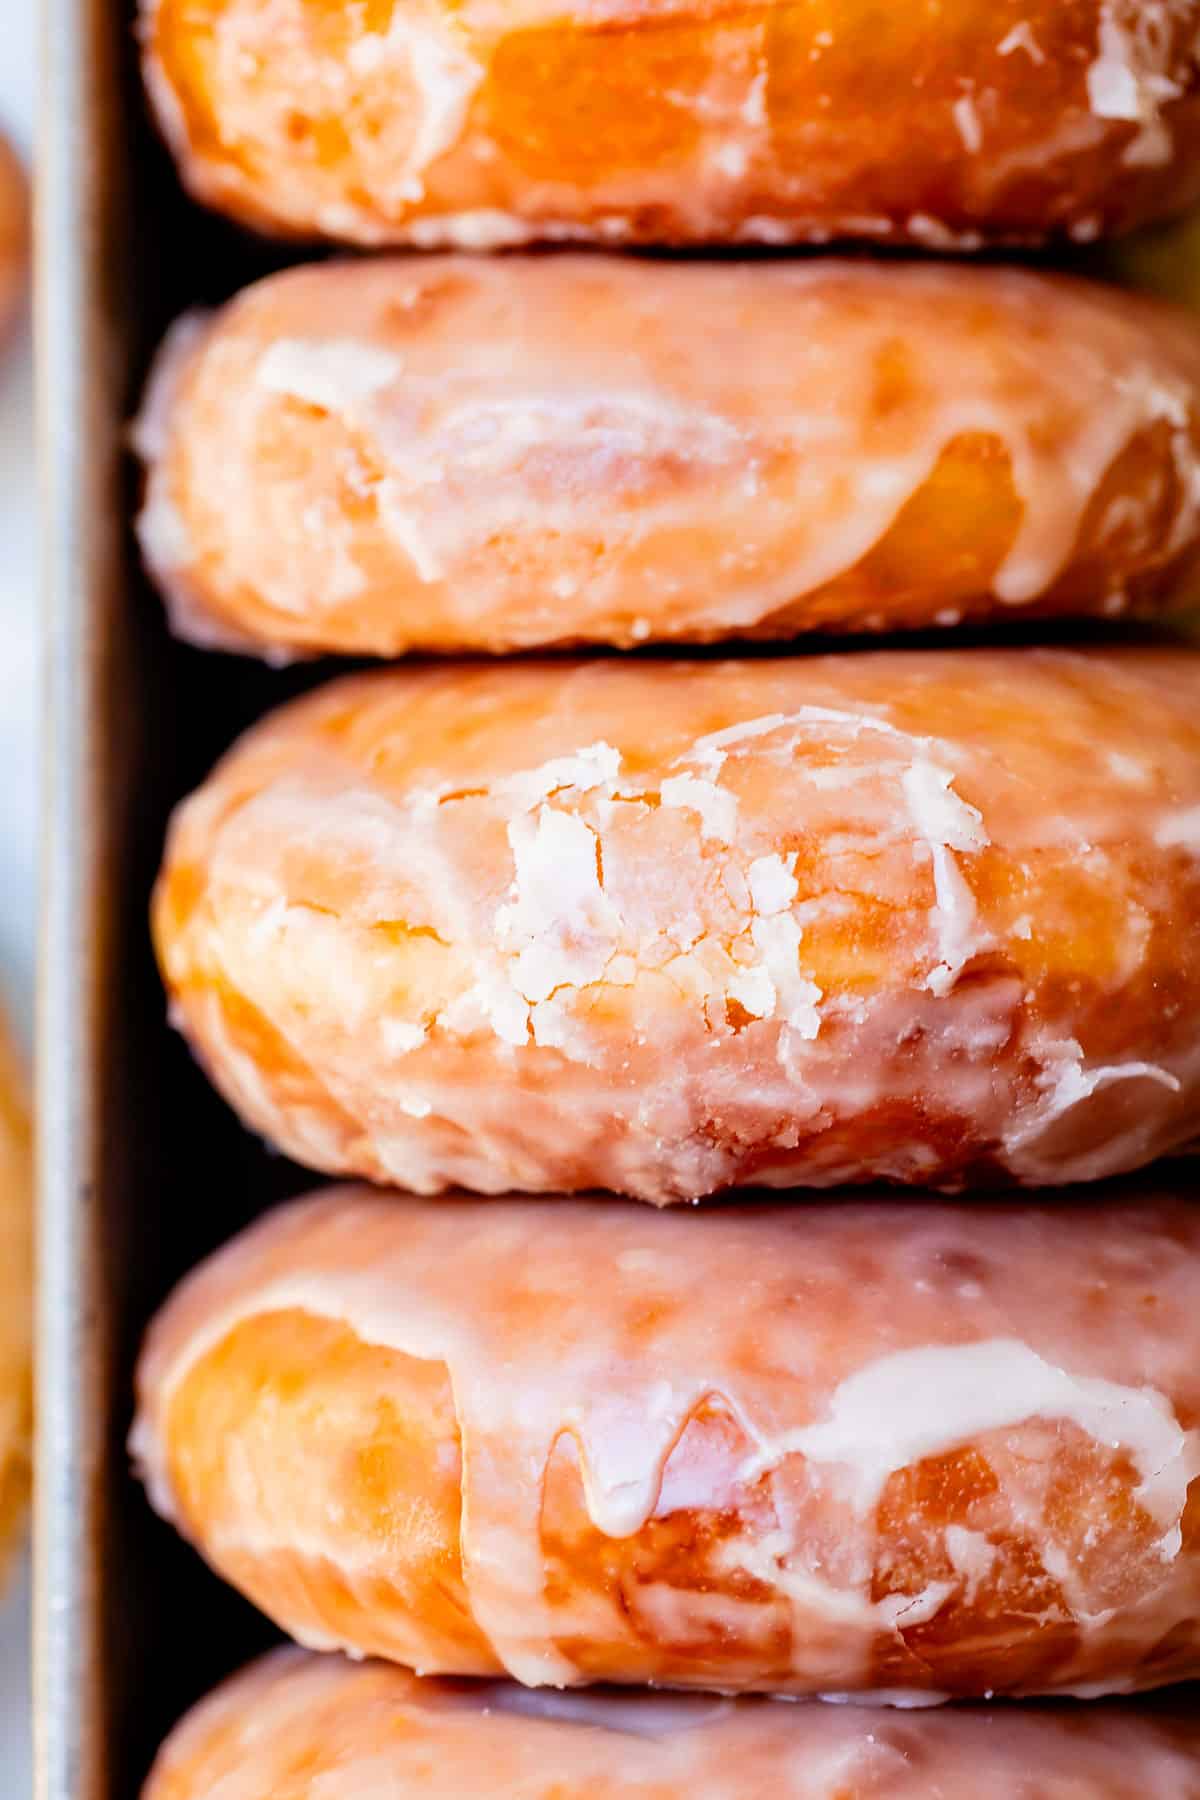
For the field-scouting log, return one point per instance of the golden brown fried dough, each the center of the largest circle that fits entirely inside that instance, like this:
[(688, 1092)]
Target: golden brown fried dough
[(922, 1450), (936, 122), (469, 454), (666, 928)]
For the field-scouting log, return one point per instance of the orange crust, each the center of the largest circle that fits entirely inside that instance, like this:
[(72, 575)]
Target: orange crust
[(776, 121), (666, 928), (464, 453), (295, 1727), (911, 1449)]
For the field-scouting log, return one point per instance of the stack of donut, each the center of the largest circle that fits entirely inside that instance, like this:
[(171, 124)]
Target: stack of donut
[(529, 941)]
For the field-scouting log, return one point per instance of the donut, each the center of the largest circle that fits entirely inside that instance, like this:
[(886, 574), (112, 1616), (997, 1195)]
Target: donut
[(491, 455), (913, 1450), (16, 1298), (945, 124), (14, 235), (297, 1727), (665, 927)]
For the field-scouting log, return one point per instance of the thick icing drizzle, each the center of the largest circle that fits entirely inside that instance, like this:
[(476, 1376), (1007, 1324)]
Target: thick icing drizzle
[(473, 436), (873, 1429)]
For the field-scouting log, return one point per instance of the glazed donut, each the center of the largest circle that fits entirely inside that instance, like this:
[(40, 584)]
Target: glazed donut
[(482, 125), (916, 1451), (16, 1297), (297, 1727), (489, 455), (666, 928), (14, 235)]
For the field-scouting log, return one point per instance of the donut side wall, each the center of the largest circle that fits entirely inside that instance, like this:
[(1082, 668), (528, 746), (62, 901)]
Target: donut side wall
[(480, 454), (425, 1454), (671, 928)]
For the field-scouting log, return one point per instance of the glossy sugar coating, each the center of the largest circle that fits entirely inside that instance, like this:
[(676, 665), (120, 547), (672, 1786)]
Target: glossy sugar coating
[(666, 928), (461, 453), (944, 123), (297, 1727), (917, 1451)]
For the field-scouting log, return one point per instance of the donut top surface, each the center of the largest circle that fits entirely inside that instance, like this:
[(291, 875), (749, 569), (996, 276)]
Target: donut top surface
[(301, 1728)]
